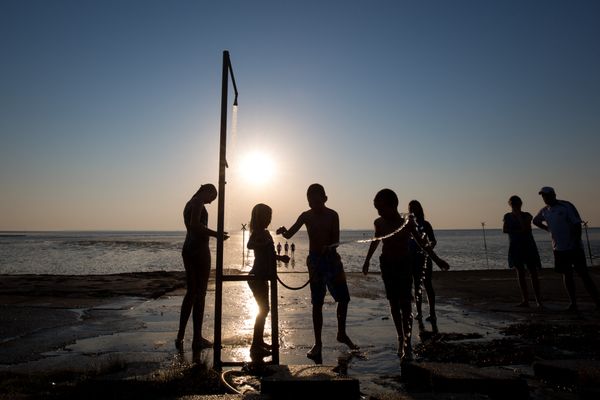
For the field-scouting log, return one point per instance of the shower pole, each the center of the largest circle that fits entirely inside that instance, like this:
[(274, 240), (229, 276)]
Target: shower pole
[(227, 69)]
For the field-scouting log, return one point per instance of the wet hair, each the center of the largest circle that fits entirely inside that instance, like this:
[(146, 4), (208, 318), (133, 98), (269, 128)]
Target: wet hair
[(515, 200), (206, 187), (316, 189), (417, 209), (261, 217), (387, 196)]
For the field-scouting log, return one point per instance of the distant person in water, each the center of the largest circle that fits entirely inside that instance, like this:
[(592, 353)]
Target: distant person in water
[(422, 264), (522, 250), (264, 269), (396, 264), (196, 260), (278, 247), (293, 249), (561, 219), (325, 267), (286, 247)]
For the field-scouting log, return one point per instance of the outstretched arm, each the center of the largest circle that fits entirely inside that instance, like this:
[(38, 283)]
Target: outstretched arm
[(444, 266), (367, 262), (288, 233)]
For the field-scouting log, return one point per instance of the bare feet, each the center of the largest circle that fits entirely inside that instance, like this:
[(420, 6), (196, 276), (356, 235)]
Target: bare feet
[(179, 344), (346, 340), (315, 353), (266, 346), (400, 351), (258, 352), (201, 344)]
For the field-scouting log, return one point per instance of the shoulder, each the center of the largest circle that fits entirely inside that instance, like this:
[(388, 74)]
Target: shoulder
[(427, 226), (332, 213), (506, 217), (566, 203)]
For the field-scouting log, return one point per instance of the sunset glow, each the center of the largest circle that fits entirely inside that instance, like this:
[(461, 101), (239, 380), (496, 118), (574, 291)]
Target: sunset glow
[(257, 168)]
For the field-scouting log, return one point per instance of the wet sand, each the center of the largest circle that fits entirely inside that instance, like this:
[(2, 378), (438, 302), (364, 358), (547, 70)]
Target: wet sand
[(124, 325)]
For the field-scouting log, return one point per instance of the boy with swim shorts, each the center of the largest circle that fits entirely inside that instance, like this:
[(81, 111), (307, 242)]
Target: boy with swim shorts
[(325, 267)]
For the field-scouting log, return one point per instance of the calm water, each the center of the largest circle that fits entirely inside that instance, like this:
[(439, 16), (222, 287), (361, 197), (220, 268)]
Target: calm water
[(83, 253)]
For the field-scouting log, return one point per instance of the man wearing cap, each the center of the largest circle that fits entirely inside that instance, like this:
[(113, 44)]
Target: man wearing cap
[(562, 220)]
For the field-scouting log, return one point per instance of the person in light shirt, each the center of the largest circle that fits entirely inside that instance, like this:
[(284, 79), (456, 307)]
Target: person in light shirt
[(561, 219)]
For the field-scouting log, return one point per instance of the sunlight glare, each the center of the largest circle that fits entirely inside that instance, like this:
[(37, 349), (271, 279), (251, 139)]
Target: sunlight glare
[(257, 168)]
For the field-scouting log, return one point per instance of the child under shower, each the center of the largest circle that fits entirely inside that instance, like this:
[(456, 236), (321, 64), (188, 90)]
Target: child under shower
[(264, 268)]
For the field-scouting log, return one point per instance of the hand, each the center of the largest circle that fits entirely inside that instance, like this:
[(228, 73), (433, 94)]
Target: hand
[(444, 266), (281, 230), (410, 223), (365, 268), (285, 259)]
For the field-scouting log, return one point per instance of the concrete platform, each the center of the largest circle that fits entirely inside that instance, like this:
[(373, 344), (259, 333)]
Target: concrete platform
[(308, 382), (463, 378)]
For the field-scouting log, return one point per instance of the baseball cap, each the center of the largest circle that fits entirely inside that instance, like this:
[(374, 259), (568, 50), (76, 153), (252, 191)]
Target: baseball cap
[(546, 190)]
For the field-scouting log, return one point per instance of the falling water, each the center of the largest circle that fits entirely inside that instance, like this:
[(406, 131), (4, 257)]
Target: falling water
[(231, 160)]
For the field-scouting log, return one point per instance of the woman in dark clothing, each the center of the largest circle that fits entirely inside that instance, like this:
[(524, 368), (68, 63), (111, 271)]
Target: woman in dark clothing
[(196, 260), (522, 250)]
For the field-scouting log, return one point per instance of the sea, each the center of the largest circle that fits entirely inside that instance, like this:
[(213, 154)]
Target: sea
[(106, 252)]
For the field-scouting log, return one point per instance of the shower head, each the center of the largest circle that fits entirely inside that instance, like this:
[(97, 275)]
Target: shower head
[(235, 100)]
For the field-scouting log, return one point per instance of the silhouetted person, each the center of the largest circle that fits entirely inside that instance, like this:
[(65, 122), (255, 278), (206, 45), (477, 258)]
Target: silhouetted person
[(286, 247), (278, 247), (293, 249), (196, 260), (422, 264), (396, 264), (522, 250), (264, 269), (562, 220), (325, 266)]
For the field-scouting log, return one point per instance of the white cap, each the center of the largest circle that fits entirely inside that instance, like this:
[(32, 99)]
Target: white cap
[(547, 190)]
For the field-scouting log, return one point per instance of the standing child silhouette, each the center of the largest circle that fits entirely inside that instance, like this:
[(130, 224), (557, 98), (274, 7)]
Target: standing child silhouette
[(325, 267), (264, 268)]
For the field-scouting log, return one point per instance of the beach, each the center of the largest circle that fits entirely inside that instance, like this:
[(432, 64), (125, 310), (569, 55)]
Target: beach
[(122, 327)]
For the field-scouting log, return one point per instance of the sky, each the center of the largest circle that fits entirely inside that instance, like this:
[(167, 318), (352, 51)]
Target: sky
[(110, 110)]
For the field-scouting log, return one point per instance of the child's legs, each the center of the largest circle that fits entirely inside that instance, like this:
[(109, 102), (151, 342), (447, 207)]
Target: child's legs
[(260, 289), (418, 272), (396, 312), (317, 318), (338, 287), (199, 300), (428, 284), (188, 299)]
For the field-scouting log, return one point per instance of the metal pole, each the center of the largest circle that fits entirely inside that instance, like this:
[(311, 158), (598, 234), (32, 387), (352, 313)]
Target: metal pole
[(487, 263), (274, 322), (221, 216), (243, 243), (585, 226)]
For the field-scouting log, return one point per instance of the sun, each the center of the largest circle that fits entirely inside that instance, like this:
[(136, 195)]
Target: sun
[(257, 168)]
